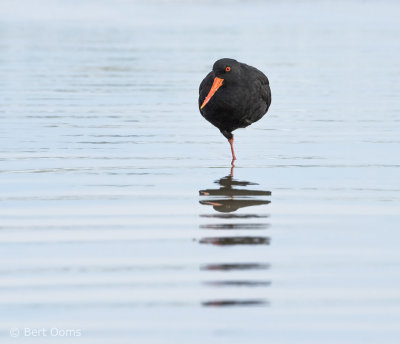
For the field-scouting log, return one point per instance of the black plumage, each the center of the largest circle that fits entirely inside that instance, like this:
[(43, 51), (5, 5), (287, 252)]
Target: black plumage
[(233, 95)]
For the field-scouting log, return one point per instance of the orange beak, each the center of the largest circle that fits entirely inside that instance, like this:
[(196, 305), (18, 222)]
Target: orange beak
[(215, 86)]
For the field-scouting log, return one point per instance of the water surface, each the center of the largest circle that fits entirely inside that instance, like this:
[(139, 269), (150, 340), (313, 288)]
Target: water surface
[(120, 214)]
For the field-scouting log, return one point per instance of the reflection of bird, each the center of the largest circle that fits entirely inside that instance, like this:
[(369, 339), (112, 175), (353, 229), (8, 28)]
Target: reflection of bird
[(233, 95), (236, 240), (228, 229), (225, 303), (228, 199)]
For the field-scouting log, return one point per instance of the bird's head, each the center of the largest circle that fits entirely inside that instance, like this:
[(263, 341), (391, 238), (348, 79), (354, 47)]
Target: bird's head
[(225, 71)]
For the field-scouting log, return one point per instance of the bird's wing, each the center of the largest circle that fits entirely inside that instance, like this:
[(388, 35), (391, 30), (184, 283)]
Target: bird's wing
[(259, 85), (265, 90)]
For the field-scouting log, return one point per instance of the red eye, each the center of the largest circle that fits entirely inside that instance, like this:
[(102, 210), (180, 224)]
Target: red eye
[(228, 69)]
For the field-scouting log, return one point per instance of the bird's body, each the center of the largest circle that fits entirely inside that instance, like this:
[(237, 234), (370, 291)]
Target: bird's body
[(233, 95)]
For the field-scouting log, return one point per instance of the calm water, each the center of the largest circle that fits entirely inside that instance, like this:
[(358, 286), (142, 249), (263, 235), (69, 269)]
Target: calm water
[(120, 216)]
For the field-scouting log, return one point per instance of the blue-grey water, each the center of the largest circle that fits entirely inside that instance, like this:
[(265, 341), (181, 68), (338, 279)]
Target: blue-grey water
[(120, 221)]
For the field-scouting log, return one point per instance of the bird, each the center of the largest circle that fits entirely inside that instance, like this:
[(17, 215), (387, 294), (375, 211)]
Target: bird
[(233, 95)]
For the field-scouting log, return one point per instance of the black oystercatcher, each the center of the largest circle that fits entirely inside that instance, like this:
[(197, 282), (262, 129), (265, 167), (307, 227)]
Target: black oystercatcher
[(233, 95)]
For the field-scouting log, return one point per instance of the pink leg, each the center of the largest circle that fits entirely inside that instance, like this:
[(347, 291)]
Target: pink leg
[(233, 151)]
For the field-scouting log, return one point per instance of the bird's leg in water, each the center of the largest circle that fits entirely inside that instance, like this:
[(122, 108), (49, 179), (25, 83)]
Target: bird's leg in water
[(233, 151)]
